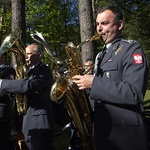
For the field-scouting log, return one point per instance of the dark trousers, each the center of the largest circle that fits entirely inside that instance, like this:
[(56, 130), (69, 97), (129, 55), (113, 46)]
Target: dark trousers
[(6, 144), (43, 141), (5, 136)]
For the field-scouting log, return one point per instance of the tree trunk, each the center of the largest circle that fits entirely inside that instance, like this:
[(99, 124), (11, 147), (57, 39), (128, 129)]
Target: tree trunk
[(18, 22), (86, 28), (18, 17)]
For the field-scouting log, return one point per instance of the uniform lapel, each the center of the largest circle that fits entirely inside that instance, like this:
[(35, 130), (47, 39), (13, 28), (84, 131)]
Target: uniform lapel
[(101, 60), (110, 50), (98, 60), (107, 55)]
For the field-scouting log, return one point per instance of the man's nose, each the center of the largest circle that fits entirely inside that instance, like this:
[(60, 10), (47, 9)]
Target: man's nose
[(26, 56), (99, 28)]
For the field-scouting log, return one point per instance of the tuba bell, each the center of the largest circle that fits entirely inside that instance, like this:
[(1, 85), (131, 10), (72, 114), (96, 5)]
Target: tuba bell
[(75, 68), (13, 43)]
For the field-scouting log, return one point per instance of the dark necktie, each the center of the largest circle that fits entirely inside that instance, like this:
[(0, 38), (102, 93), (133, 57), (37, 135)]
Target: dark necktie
[(102, 55), (100, 58)]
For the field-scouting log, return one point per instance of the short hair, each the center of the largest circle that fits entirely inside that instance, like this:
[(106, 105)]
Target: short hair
[(37, 48), (116, 11)]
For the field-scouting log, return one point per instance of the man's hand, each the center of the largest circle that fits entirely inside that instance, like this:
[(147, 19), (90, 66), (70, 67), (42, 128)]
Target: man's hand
[(83, 81)]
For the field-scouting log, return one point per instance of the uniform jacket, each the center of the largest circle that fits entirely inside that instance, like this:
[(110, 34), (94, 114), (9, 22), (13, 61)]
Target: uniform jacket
[(39, 115), (118, 89), (5, 100)]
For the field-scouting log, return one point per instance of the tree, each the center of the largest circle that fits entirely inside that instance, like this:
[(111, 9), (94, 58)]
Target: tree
[(18, 24), (56, 20), (86, 28), (5, 21), (18, 17)]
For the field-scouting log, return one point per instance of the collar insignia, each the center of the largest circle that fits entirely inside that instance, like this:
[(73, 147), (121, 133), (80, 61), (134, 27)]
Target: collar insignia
[(118, 50)]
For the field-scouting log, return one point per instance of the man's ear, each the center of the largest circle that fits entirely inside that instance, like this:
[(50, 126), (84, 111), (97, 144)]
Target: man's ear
[(120, 25)]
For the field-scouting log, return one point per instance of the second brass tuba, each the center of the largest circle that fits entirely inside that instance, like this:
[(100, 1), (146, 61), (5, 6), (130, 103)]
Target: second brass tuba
[(13, 43), (76, 100)]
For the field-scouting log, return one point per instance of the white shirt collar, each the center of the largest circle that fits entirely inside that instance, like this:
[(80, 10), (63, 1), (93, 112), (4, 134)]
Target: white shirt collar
[(108, 45)]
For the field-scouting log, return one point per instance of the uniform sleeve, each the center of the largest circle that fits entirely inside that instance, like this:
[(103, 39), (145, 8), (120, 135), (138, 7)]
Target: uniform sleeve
[(131, 88), (39, 80)]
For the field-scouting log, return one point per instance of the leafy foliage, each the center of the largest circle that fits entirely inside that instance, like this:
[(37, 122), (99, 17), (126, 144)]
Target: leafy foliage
[(56, 20), (5, 19)]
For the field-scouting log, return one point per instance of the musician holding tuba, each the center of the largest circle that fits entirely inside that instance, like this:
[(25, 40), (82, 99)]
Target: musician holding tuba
[(117, 87), (6, 72), (38, 121)]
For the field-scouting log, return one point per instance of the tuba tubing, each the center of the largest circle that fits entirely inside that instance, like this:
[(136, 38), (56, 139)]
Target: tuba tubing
[(40, 39)]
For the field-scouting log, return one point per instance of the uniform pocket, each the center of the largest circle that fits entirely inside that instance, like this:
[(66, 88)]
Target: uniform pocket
[(111, 66), (39, 112), (128, 120)]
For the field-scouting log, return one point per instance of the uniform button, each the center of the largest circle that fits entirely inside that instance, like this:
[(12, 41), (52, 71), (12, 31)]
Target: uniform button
[(123, 121), (99, 101)]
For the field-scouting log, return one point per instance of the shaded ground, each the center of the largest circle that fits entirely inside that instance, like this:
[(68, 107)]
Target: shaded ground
[(61, 142)]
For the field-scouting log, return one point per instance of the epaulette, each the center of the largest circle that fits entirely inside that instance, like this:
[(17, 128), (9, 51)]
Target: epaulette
[(128, 41)]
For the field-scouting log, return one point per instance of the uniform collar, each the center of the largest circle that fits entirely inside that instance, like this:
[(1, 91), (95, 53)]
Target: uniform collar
[(30, 68), (113, 42)]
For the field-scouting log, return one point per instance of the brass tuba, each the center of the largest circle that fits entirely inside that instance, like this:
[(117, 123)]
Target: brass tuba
[(13, 43), (75, 68), (77, 100)]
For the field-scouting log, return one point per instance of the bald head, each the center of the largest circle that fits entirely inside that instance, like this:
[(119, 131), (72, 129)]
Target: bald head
[(33, 54), (35, 48)]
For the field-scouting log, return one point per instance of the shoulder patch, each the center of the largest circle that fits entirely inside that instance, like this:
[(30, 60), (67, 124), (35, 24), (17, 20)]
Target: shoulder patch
[(137, 58)]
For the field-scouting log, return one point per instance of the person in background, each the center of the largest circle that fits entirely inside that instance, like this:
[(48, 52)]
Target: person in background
[(88, 66), (117, 87), (38, 122), (6, 72)]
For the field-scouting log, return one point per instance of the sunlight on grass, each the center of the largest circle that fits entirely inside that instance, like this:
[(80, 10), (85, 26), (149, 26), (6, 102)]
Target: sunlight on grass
[(146, 101), (62, 142), (147, 95)]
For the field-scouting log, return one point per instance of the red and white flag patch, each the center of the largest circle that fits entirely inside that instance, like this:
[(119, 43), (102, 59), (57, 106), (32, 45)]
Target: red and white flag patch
[(137, 58)]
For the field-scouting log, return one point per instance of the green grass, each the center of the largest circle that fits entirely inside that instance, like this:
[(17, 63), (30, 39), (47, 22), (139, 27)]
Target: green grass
[(147, 95), (61, 142), (146, 101)]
